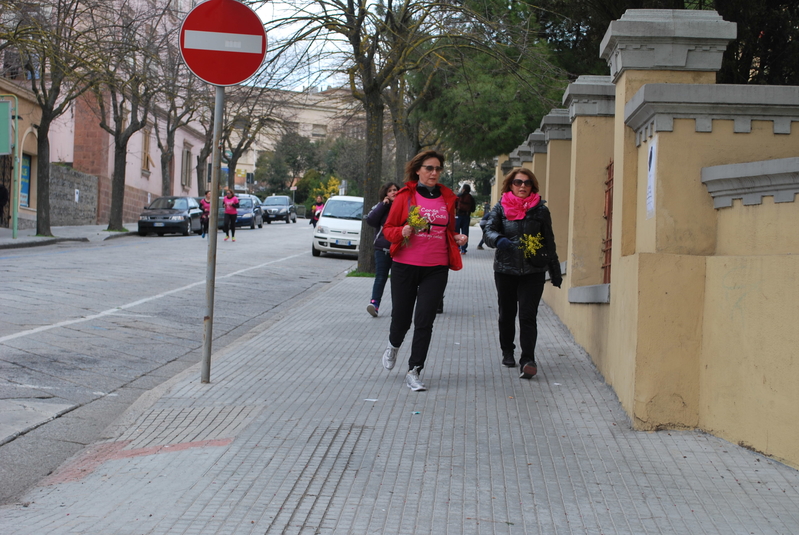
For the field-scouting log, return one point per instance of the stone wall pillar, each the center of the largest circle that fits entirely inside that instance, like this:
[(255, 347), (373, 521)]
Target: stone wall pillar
[(538, 165), (590, 101), (656, 301), (556, 128)]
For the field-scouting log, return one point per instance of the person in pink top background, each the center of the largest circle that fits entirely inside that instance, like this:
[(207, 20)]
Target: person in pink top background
[(231, 202), (205, 204), (424, 247)]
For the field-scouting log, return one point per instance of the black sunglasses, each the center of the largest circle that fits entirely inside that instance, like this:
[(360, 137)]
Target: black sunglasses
[(431, 168), (519, 182)]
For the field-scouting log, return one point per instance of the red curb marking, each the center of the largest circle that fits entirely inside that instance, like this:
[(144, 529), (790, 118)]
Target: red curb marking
[(98, 454)]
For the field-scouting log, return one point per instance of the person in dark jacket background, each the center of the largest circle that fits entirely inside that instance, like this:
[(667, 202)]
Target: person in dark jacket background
[(377, 218), (464, 209), (520, 228), (483, 222)]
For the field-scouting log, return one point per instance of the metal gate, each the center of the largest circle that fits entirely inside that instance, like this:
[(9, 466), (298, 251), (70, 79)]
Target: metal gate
[(6, 174), (608, 215)]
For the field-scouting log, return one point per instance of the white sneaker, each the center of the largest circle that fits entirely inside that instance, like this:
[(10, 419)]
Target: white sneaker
[(390, 356), (413, 381)]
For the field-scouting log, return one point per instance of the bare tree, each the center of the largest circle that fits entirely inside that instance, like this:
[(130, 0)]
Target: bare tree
[(55, 44), (127, 84), (178, 103), (376, 44), (248, 110)]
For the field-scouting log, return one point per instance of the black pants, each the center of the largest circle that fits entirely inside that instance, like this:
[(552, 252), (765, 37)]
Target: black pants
[(230, 224), (382, 267), (204, 225), (422, 287), (462, 223), (522, 293)]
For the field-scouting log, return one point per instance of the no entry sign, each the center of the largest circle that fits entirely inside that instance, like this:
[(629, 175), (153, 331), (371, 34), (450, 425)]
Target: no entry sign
[(223, 42)]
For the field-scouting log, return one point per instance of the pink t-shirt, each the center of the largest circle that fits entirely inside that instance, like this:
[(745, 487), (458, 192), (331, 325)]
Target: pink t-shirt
[(428, 249), (229, 202)]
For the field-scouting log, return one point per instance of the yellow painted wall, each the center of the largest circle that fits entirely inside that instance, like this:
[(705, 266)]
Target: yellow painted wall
[(557, 190), (701, 328), (685, 220), (625, 151), (591, 151), (498, 177), (539, 169), (619, 363), (749, 369), (767, 228), (670, 300)]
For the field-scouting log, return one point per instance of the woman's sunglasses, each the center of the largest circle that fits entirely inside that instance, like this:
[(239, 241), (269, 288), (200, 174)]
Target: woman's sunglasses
[(431, 168), (518, 182)]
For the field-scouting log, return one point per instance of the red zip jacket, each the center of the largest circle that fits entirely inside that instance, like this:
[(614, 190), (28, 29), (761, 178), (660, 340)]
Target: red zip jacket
[(392, 229)]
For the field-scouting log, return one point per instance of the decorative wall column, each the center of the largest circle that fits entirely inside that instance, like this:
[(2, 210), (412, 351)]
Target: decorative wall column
[(590, 101), (537, 141), (655, 46), (556, 127), (655, 313)]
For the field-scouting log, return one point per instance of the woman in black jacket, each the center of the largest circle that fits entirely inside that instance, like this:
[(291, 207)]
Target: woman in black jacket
[(377, 218), (520, 228)]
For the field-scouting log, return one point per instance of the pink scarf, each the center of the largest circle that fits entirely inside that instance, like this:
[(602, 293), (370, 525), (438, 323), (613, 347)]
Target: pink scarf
[(515, 207)]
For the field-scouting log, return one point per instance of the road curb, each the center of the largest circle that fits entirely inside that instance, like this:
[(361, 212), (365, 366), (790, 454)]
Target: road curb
[(37, 243)]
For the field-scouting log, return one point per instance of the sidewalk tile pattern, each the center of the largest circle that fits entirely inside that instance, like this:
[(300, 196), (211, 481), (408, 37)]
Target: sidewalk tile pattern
[(307, 433)]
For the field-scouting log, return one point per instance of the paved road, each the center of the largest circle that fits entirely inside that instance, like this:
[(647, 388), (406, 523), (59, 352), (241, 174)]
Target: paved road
[(86, 328)]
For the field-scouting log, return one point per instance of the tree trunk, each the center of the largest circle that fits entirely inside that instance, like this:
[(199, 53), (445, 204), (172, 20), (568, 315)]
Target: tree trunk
[(231, 171), (166, 171), (202, 174), (43, 178), (373, 104), (115, 219), (403, 151)]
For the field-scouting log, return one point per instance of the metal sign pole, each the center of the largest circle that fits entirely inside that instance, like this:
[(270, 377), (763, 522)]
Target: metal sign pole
[(213, 217)]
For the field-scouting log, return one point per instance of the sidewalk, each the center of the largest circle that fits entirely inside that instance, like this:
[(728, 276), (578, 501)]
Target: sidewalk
[(302, 431), (84, 233)]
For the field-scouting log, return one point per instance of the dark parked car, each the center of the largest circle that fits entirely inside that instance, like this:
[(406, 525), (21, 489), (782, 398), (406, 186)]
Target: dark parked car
[(249, 212), (171, 215), (279, 207)]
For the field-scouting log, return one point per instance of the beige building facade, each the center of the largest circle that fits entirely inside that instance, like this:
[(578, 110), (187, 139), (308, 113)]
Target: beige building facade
[(674, 207), (19, 177)]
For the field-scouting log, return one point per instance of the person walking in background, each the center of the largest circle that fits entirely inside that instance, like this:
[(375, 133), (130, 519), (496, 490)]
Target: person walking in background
[(465, 207), (231, 202), (205, 204), (424, 247), (3, 201), (520, 227), (377, 218), (316, 210), (483, 222)]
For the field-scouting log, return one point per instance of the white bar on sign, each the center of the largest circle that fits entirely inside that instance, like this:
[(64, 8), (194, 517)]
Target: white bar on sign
[(223, 42)]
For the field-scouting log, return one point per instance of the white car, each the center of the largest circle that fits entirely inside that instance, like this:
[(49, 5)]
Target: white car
[(339, 227)]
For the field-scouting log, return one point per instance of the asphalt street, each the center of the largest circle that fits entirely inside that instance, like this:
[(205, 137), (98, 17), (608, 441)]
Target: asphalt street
[(87, 327)]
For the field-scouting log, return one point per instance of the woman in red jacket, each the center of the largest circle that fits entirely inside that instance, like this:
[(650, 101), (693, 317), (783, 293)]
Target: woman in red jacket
[(424, 247)]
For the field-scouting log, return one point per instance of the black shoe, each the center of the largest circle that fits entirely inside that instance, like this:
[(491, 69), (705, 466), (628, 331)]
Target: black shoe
[(529, 369), (508, 360)]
